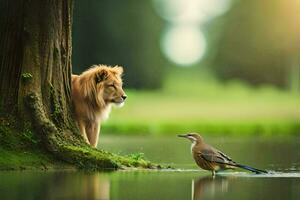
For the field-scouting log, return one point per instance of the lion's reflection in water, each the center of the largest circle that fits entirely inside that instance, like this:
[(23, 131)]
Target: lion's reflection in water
[(95, 187), (77, 186)]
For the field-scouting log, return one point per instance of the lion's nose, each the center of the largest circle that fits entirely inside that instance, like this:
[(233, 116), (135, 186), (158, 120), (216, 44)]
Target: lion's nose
[(124, 97)]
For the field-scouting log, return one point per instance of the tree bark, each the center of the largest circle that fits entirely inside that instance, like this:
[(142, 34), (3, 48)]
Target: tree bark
[(35, 84)]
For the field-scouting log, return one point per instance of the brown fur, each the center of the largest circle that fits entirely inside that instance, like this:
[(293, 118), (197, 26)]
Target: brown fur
[(93, 92)]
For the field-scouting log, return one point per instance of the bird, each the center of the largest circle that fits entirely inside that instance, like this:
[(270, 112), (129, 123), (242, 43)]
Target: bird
[(210, 158)]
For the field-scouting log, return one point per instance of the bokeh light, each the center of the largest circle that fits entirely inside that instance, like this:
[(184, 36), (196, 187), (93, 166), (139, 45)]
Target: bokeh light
[(183, 45), (190, 11)]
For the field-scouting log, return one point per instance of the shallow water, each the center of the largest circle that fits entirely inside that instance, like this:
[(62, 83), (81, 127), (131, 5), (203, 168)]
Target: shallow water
[(271, 153), (278, 155)]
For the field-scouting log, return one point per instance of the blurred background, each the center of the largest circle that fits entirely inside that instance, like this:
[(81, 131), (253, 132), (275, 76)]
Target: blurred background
[(212, 66)]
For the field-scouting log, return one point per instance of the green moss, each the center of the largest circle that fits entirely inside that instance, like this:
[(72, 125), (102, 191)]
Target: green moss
[(106, 160), (134, 161), (28, 136), (21, 150), (26, 77), (28, 159), (137, 156), (56, 111), (88, 158)]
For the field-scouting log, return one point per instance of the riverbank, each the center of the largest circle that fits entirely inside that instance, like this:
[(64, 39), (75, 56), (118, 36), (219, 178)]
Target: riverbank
[(21, 150)]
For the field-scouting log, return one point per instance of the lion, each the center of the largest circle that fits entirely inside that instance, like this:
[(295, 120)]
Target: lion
[(93, 93)]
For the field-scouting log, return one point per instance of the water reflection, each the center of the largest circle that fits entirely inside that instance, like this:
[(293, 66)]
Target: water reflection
[(79, 186), (148, 185), (54, 185), (95, 186), (209, 187)]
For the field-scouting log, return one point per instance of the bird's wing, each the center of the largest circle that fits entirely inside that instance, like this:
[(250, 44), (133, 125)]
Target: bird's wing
[(225, 156), (215, 156)]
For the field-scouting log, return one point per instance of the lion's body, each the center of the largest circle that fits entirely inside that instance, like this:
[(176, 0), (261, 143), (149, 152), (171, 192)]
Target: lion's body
[(93, 92)]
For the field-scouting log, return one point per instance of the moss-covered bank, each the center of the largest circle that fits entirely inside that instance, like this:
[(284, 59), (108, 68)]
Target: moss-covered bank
[(21, 150)]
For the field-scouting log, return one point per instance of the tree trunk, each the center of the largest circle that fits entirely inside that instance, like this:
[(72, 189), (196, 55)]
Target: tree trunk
[(35, 84)]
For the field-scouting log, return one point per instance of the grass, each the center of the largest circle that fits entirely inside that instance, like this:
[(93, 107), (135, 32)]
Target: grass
[(192, 102)]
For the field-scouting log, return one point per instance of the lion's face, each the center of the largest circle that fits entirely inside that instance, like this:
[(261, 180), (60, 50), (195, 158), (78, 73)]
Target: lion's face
[(113, 91), (109, 85)]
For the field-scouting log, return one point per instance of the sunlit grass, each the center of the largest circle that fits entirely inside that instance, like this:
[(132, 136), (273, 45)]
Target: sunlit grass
[(200, 103)]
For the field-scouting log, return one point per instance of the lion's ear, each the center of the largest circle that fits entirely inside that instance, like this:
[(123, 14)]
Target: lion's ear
[(101, 76), (118, 70)]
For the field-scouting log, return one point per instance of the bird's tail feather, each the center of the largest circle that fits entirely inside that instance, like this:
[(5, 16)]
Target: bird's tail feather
[(257, 171)]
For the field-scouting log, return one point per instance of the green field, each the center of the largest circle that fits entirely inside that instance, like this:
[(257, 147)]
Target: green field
[(200, 103)]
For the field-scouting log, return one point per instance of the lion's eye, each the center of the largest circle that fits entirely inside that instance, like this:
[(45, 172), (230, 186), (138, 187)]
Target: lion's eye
[(112, 85)]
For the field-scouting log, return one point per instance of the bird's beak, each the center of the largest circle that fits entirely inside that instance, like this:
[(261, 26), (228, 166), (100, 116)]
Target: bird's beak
[(182, 135)]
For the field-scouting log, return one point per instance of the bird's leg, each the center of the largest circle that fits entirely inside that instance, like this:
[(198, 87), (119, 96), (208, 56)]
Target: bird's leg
[(213, 173)]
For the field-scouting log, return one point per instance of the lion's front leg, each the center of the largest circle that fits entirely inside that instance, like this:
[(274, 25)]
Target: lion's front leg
[(93, 134), (82, 129)]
